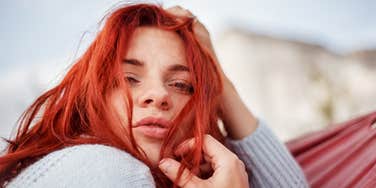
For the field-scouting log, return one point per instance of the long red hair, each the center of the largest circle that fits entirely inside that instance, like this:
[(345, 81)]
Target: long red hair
[(78, 110)]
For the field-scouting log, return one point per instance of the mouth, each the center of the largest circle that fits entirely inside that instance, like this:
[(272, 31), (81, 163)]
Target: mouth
[(152, 127), (152, 121), (152, 124)]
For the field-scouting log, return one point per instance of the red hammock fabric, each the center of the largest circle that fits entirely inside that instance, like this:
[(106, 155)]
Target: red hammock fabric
[(341, 156)]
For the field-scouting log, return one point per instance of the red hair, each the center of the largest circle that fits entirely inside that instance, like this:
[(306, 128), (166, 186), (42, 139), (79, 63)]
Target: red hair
[(78, 110)]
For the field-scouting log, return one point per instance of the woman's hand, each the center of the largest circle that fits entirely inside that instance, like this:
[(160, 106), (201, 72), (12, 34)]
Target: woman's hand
[(229, 170), (239, 122)]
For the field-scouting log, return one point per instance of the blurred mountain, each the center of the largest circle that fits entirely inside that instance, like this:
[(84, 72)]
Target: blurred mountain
[(295, 86)]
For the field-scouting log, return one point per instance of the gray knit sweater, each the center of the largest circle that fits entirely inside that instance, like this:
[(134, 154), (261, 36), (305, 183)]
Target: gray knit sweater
[(268, 162)]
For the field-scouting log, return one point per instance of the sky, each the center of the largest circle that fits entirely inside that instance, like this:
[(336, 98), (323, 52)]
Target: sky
[(39, 38), (40, 30)]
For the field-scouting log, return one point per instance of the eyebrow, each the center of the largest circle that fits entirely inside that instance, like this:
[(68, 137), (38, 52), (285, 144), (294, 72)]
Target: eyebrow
[(133, 62), (178, 68), (172, 68)]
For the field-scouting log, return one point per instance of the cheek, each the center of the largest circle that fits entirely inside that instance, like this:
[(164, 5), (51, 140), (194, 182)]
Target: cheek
[(185, 128), (180, 101), (186, 125), (118, 103)]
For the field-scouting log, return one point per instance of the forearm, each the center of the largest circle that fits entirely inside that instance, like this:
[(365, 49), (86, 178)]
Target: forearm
[(267, 160), (237, 118)]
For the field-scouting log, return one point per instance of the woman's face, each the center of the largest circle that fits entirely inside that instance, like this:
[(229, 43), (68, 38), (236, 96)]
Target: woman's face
[(156, 69)]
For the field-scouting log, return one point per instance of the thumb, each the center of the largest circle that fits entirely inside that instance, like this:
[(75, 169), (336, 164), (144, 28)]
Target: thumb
[(170, 168)]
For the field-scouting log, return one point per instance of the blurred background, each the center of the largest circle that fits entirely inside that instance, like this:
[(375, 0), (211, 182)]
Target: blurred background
[(299, 65)]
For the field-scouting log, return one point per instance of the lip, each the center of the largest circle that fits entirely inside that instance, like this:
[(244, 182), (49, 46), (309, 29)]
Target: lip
[(152, 127), (148, 121)]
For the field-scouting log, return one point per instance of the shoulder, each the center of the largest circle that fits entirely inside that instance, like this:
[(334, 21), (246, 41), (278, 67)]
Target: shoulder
[(89, 165)]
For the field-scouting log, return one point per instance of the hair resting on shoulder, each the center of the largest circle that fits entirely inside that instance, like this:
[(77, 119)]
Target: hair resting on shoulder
[(78, 110)]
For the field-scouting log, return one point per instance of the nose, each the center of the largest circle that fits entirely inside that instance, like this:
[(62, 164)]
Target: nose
[(155, 96)]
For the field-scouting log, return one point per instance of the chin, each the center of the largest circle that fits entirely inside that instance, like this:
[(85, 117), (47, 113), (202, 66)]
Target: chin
[(151, 148)]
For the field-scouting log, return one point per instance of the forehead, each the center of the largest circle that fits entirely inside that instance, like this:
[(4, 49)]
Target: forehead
[(151, 44)]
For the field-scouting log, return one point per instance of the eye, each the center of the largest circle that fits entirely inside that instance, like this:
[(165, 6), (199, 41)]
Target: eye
[(182, 86), (131, 80)]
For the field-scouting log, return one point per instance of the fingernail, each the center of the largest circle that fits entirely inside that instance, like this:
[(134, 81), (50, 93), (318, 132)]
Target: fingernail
[(164, 164)]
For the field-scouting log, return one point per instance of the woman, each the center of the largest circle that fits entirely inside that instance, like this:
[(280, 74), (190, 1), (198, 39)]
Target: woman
[(137, 109)]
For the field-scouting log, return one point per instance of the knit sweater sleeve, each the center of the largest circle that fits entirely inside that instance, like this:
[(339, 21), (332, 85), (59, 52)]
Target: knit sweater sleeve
[(268, 162), (85, 166)]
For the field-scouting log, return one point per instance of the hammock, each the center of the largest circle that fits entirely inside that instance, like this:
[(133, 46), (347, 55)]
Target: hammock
[(341, 156)]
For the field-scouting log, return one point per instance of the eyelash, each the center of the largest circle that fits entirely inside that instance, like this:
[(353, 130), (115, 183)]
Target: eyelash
[(186, 88), (131, 80), (183, 87)]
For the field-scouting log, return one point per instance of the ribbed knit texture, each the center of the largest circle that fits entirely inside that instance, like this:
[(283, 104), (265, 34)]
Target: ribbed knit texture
[(268, 162), (85, 166)]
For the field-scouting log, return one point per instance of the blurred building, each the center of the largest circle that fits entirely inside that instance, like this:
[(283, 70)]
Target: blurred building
[(294, 86)]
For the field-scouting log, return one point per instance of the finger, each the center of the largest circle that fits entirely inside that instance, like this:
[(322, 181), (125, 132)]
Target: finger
[(182, 14), (179, 11), (170, 168), (185, 147), (211, 147)]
